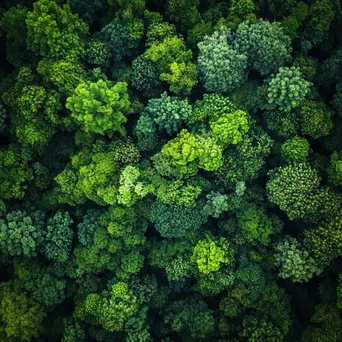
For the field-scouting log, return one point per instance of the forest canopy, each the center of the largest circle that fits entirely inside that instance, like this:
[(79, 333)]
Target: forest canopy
[(171, 170)]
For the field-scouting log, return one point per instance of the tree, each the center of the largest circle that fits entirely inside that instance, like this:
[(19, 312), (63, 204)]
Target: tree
[(21, 318), (295, 150), (73, 331), (40, 283), (217, 203), (321, 14), (295, 19), (15, 171), (13, 23), (131, 189), (222, 68), (174, 64), (99, 107), (295, 261), (21, 233), (325, 242), (145, 74), (212, 106), (112, 308), (54, 31), (246, 160), (337, 100), (191, 316), (187, 153), (210, 253), (230, 127), (316, 119), (92, 173), (258, 329), (65, 75), (265, 45), (35, 117), (87, 227), (117, 37), (286, 90), (164, 114), (174, 221), (99, 254), (335, 169), (255, 226), (58, 239), (87, 9), (294, 189), (178, 192)]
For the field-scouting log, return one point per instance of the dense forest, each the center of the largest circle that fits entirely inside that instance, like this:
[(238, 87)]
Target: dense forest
[(171, 170)]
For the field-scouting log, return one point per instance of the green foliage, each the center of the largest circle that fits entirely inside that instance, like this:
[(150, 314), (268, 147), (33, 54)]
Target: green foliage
[(307, 66), (13, 24), (254, 225), (91, 173), (325, 241), (212, 105), (188, 152), (21, 318), (72, 331), (210, 253), (21, 233), (98, 255), (294, 21), (183, 11), (230, 127), (256, 329), (88, 226), (174, 64), (326, 324), (337, 101), (3, 117), (158, 31), (295, 150), (285, 125), (245, 161), (165, 113), (65, 75), (339, 292), (265, 45), (35, 114), (58, 240), (43, 286), (86, 9), (294, 189), (117, 37), (316, 119), (170, 170), (295, 261), (112, 308), (241, 10), (216, 204), (286, 90), (190, 316), (97, 53), (321, 14), (178, 192), (335, 169), (174, 221), (131, 189), (222, 68), (99, 107), (55, 32), (144, 74), (15, 171)]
